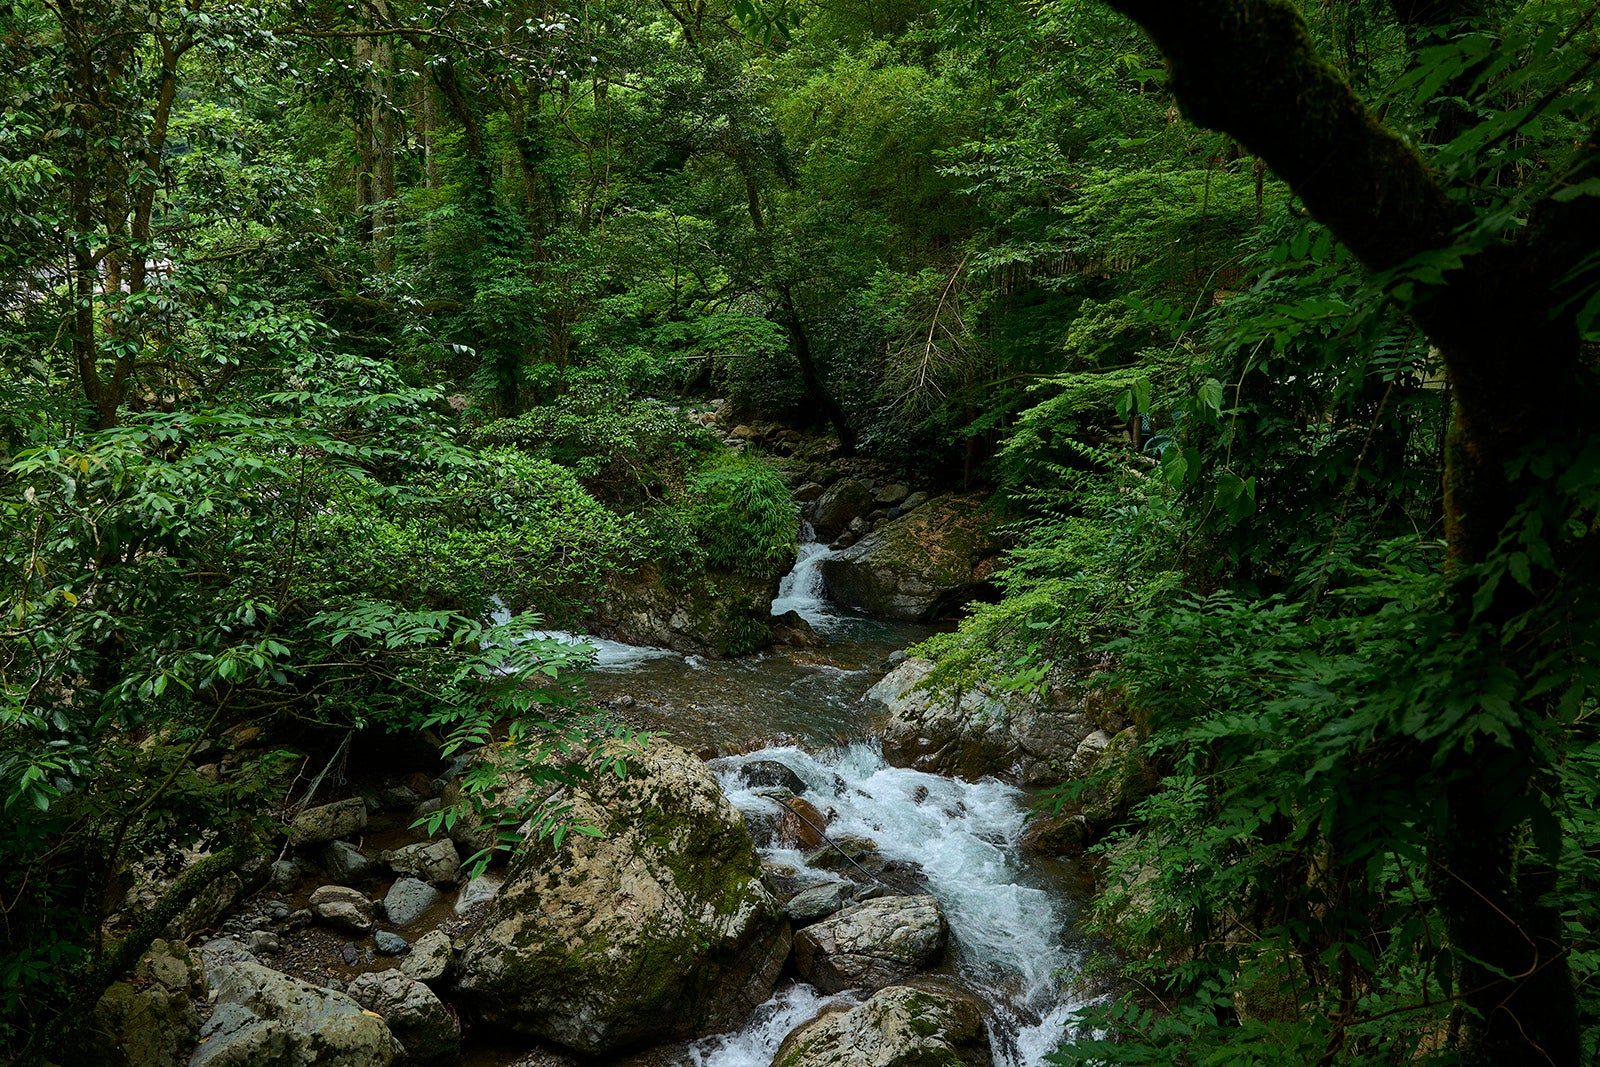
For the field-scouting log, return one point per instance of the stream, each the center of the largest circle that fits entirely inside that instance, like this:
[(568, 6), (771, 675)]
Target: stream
[(1011, 920)]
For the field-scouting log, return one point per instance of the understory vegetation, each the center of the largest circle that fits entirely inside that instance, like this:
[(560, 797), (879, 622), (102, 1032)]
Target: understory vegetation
[(326, 330)]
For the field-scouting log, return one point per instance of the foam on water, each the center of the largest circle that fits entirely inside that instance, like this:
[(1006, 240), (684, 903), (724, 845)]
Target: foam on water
[(802, 589), (768, 1025), (1008, 930)]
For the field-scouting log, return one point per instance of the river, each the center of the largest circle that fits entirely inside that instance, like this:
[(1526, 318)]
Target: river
[(1011, 920)]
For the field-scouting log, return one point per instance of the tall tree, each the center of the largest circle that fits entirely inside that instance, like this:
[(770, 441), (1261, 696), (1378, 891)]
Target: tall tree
[(1487, 285)]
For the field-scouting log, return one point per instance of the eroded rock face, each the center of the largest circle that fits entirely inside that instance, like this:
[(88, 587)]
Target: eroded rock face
[(1021, 738), (418, 1019), (871, 945), (900, 1026), (266, 1019), (660, 929), (920, 566)]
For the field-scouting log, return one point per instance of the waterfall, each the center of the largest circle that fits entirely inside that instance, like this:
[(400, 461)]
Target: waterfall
[(802, 589)]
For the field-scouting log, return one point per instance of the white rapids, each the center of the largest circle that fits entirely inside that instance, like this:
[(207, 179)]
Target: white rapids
[(1009, 929)]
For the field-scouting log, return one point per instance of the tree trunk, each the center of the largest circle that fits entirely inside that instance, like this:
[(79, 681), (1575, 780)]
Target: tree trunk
[(1249, 68)]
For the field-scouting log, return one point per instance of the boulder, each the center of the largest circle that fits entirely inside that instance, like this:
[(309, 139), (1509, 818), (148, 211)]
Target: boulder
[(901, 1026), (426, 1030), (769, 772), (431, 861), (1022, 737), (342, 907), (717, 613), (843, 501), (479, 890), (389, 944), (659, 929), (871, 945), (346, 863), (430, 957), (408, 900), (150, 1021), (318, 826), (891, 495), (918, 567), (817, 902), (262, 1018)]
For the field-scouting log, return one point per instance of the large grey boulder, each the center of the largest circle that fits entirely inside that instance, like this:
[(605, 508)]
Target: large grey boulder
[(418, 1019), (901, 1026), (148, 1022), (318, 826), (918, 567), (430, 957), (660, 928), (1023, 738), (262, 1018), (871, 945)]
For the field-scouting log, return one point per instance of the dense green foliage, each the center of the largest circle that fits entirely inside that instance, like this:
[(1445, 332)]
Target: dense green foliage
[(322, 325)]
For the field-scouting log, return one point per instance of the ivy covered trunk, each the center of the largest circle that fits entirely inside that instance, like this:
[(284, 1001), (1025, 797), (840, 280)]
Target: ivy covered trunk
[(1493, 306)]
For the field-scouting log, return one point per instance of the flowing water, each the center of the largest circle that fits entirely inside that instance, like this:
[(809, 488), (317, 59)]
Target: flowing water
[(1010, 921)]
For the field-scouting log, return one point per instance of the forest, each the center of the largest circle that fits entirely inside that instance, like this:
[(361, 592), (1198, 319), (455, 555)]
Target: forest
[(799, 532)]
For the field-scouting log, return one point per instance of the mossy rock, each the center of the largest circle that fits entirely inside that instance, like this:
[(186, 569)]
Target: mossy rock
[(920, 566), (901, 1026), (657, 930)]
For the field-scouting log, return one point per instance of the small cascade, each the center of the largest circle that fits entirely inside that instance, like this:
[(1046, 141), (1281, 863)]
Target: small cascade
[(802, 589), (1008, 926)]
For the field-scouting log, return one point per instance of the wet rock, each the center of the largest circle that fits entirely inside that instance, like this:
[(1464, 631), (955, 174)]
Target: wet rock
[(918, 567), (932, 732), (262, 1018), (769, 772), (817, 902), (1057, 835), (802, 824), (657, 930), (318, 826), (900, 1026), (808, 491), (841, 503), (390, 944), (408, 900), (727, 617), (418, 1019), (346, 863), (342, 908), (479, 890), (150, 1021), (891, 495), (430, 957), (792, 630), (431, 861), (872, 944), (844, 852)]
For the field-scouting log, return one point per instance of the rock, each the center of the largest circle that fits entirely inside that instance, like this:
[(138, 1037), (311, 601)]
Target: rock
[(891, 495), (1017, 736), (843, 501), (224, 950), (792, 629), (318, 826), (414, 1014), (929, 731), (283, 874), (264, 943), (1122, 778), (430, 957), (844, 540), (342, 907), (901, 1026), (207, 907), (727, 614), (807, 492), (1063, 834), (817, 902), (919, 567), (802, 824), (660, 929), (390, 944), (345, 862), (844, 852), (408, 900), (770, 772), (431, 861), (871, 945), (479, 890), (398, 798), (915, 500), (1087, 754), (150, 1021), (262, 1018)]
